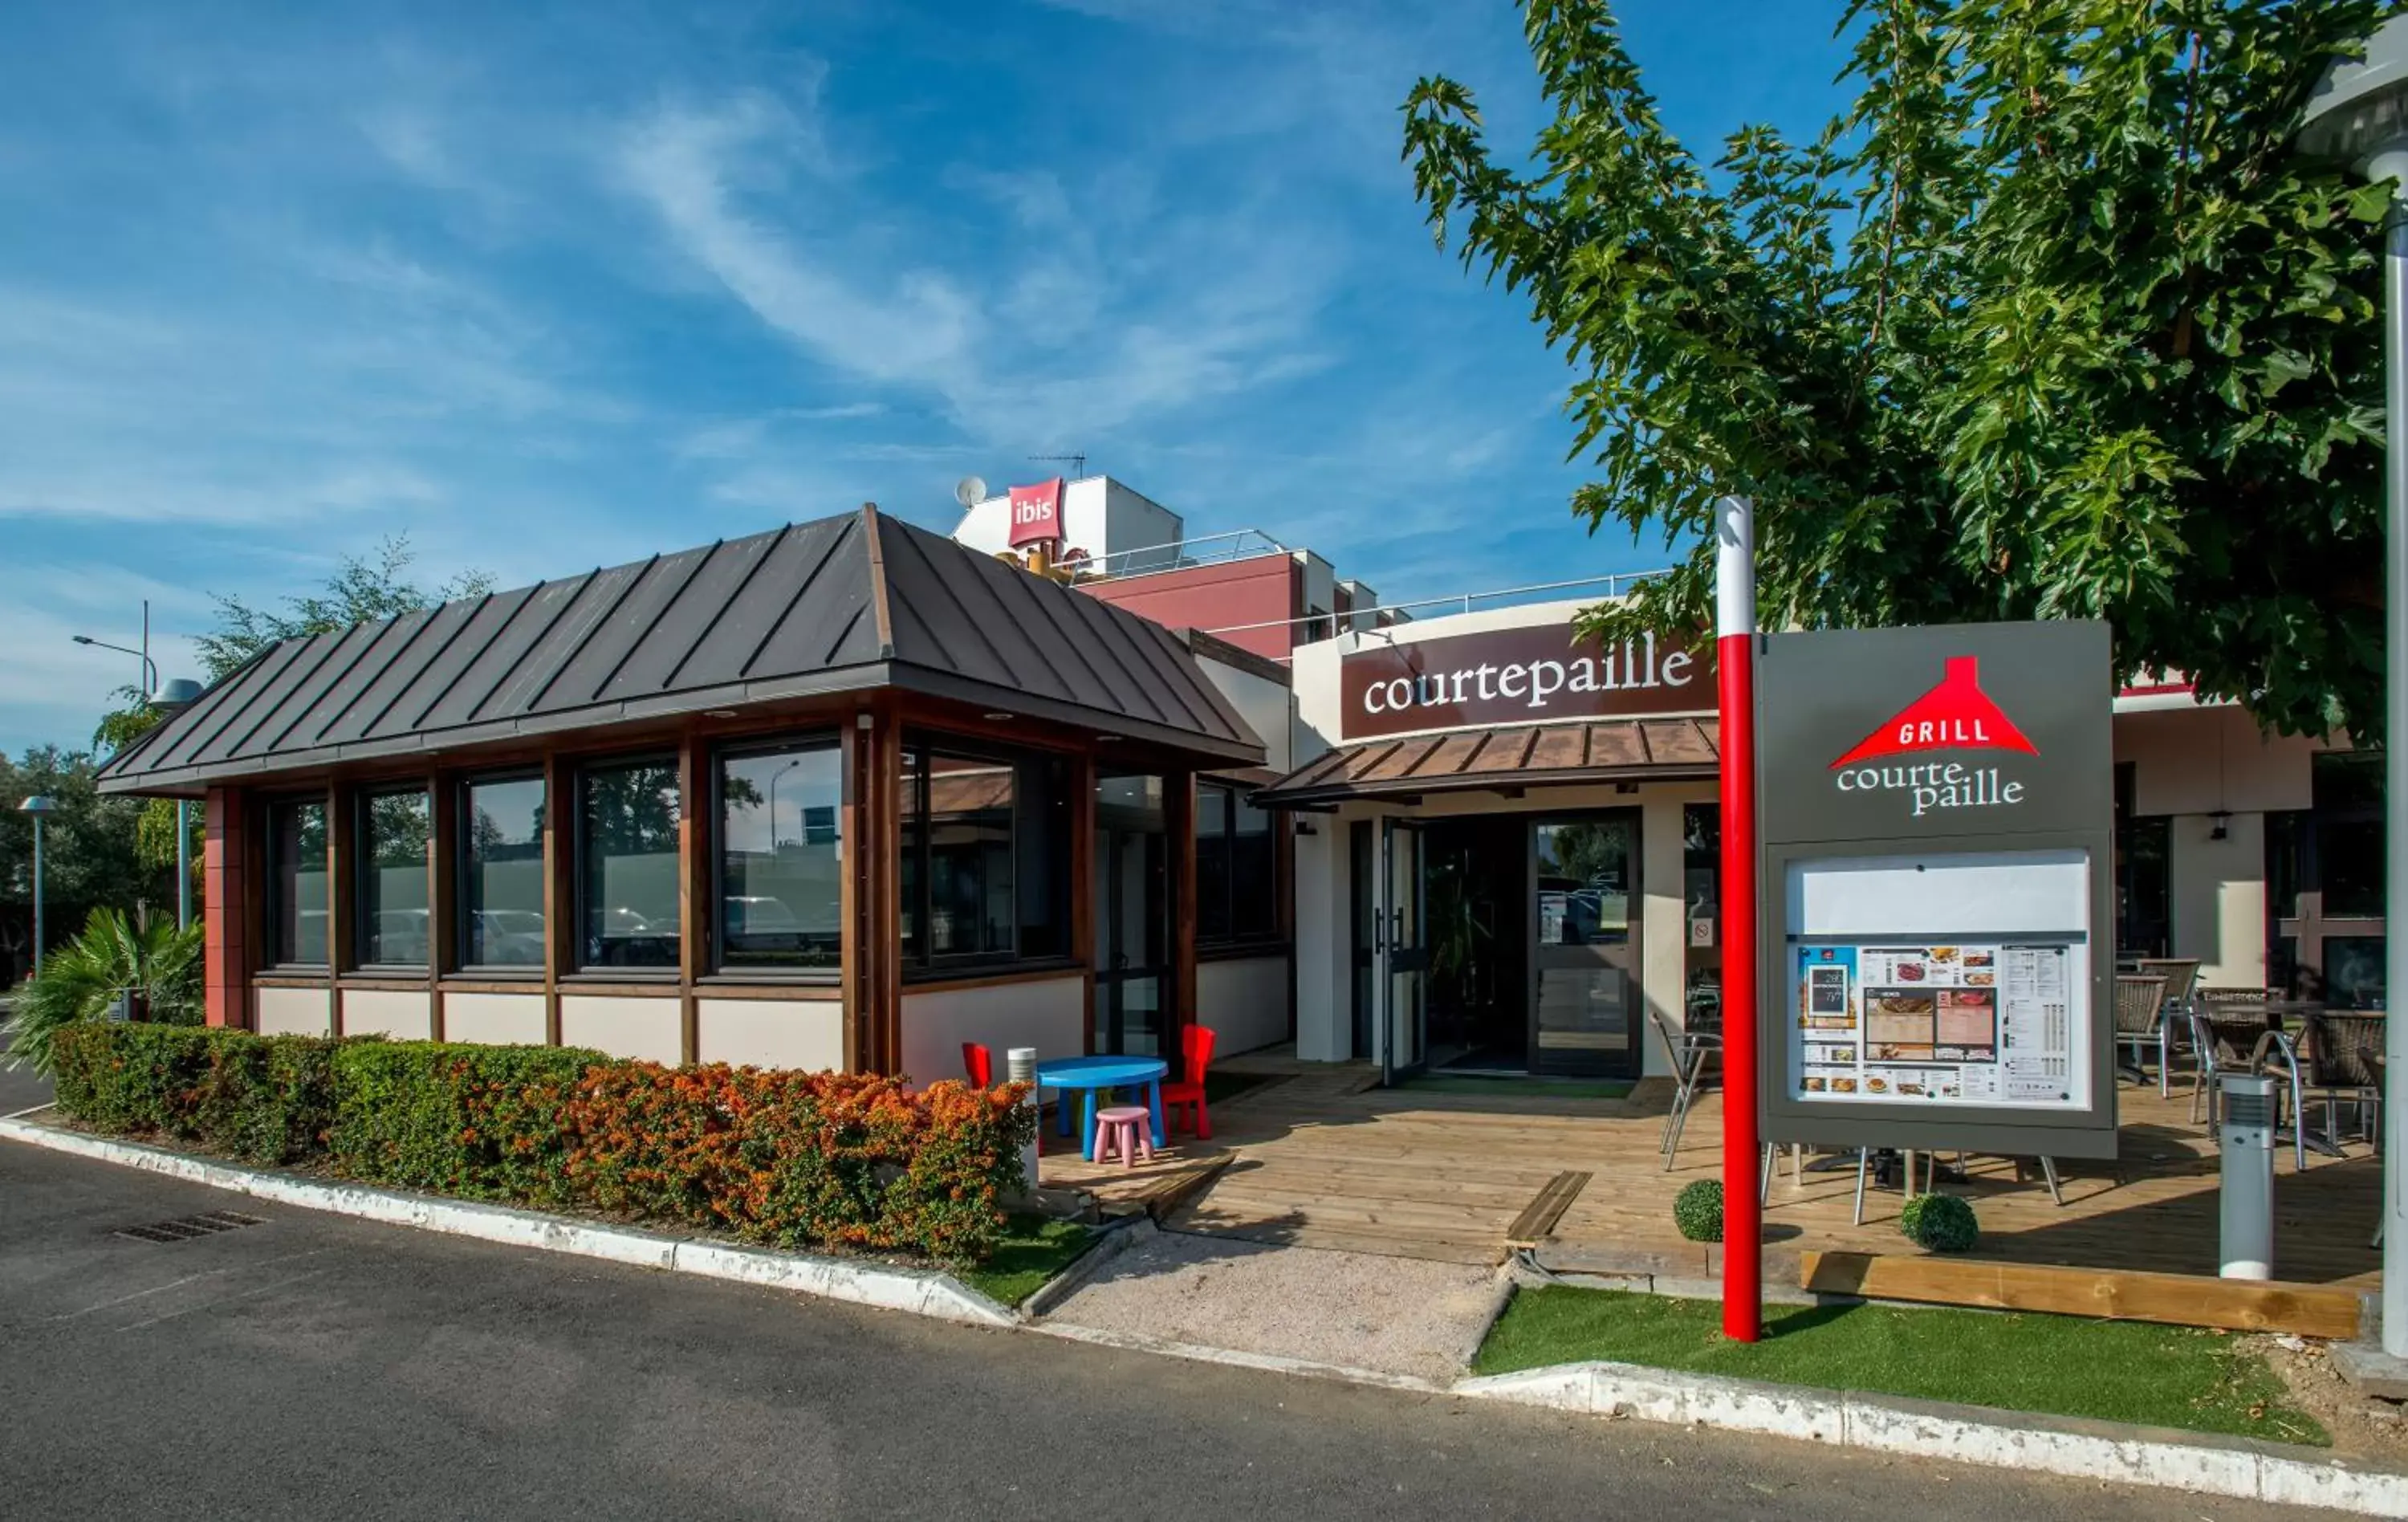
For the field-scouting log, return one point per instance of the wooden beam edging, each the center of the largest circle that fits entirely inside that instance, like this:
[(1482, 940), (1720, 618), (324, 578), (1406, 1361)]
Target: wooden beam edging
[(2176, 1300)]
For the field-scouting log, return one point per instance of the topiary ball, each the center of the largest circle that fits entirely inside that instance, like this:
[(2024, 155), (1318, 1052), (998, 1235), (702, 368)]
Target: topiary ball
[(1698, 1211), (1942, 1223)]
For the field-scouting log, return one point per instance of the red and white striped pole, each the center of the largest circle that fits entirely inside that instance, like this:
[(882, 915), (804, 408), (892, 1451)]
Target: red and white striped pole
[(1735, 659)]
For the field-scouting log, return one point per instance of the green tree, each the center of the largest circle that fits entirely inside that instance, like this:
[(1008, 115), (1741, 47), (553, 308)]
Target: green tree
[(2051, 322), (89, 859), (362, 590)]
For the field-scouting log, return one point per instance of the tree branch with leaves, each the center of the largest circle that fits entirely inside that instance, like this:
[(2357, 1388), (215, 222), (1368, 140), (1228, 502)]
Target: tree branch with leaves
[(2052, 321)]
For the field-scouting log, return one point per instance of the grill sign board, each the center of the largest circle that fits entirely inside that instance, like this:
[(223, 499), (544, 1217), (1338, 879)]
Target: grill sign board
[(1935, 807), (1535, 674)]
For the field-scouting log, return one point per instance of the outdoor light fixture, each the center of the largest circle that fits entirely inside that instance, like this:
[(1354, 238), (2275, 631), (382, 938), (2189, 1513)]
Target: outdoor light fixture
[(40, 807), (997, 718), (719, 713), (2219, 826), (2360, 115)]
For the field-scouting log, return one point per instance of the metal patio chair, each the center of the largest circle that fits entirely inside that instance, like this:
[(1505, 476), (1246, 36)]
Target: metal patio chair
[(2337, 1065), (2182, 981), (2233, 1038), (1689, 1051), (2140, 1021)]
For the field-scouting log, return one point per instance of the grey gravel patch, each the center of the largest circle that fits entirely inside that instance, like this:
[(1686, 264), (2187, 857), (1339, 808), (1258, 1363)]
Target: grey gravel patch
[(1397, 1315)]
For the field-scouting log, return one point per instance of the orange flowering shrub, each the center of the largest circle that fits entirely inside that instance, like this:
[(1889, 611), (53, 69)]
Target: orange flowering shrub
[(791, 1159), (796, 1158)]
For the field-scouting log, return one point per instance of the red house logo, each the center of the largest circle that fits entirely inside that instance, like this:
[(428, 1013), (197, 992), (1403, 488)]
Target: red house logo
[(1957, 715)]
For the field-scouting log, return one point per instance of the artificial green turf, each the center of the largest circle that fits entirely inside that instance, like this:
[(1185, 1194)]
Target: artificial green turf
[(2110, 1370), (1034, 1250), (1537, 1088)]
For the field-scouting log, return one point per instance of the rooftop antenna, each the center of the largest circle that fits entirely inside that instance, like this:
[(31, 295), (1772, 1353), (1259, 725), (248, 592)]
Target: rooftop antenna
[(969, 491), (1078, 463)]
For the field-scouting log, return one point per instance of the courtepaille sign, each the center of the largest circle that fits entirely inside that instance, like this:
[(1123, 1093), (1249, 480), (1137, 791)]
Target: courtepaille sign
[(1532, 675)]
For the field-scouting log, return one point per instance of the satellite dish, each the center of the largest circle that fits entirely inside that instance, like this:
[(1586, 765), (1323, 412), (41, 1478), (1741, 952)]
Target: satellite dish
[(969, 491)]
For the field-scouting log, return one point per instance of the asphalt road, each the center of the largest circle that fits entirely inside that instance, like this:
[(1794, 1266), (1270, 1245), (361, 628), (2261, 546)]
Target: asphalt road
[(314, 1367)]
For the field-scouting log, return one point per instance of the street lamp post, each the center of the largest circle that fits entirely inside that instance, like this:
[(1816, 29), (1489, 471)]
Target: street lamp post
[(172, 697), (2360, 115), (40, 807)]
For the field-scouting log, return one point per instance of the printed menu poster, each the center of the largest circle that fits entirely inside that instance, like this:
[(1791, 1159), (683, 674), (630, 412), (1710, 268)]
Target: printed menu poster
[(1985, 1025)]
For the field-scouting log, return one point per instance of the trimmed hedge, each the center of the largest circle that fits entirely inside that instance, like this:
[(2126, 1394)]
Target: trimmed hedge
[(1698, 1210), (786, 1158), (1942, 1223)]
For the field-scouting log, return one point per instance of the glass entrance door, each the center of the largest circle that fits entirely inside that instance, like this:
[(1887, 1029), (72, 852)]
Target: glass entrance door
[(1585, 966), (1132, 917), (1400, 936)]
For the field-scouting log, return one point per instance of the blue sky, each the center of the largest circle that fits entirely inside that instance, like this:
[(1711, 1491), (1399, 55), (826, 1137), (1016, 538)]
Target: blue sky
[(548, 287)]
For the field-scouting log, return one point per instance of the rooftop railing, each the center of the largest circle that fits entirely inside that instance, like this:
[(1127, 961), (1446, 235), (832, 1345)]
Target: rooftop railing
[(1462, 602), (1210, 549)]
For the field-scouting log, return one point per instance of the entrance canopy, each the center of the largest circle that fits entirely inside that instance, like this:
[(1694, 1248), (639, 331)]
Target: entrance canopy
[(1541, 755), (841, 605)]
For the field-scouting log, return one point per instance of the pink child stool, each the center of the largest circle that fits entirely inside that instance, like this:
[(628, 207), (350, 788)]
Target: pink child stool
[(1131, 1125)]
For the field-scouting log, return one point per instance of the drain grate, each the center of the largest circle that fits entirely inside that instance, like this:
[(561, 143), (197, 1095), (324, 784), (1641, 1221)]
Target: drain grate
[(186, 1228)]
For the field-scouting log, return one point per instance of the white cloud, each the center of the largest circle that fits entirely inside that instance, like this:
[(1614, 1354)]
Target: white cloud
[(1033, 340)]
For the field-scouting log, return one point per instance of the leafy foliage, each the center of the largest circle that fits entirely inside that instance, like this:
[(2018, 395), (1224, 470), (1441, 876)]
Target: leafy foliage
[(789, 1158), (362, 590), (82, 978), (89, 858), (1942, 1223), (1698, 1210), (2051, 322)]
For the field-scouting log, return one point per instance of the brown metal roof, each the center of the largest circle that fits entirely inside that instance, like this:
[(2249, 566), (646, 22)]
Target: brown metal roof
[(1541, 755), (843, 604)]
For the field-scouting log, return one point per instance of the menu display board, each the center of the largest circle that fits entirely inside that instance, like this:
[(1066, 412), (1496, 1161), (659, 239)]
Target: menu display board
[(1989, 1024), (1935, 807)]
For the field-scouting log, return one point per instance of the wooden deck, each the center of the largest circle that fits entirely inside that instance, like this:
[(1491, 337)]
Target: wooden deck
[(1324, 1159)]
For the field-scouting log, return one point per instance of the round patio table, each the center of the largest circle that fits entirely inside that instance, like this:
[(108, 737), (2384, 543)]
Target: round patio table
[(1089, 1075)]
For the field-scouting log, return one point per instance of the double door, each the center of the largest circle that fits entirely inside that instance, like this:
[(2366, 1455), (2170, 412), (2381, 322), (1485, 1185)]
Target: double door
[(1581, 945)]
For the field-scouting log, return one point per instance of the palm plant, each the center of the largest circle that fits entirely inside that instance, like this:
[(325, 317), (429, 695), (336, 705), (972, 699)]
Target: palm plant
[(113, 954)]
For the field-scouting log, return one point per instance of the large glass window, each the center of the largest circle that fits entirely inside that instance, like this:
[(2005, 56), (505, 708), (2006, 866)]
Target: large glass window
[(986, 854), (391, 851), (501, 873), (1237, 869), (780, 866), (627, 816), (296, 882)]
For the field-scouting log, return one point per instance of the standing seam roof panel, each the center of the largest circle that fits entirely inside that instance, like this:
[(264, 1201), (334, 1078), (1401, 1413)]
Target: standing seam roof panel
[(234, 740), (605, 650), (405, 714), (167, 737), (796, 607), (1129, 684), (246, 688), (744, 613), (390, 652), (531, 688), (650, 667), (322, 691), (939, 607), (491, 669), (816, 628)]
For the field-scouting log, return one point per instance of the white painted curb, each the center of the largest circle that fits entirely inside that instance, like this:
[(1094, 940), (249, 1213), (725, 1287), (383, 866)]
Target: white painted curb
[(2087, 1451), (922, 1291)]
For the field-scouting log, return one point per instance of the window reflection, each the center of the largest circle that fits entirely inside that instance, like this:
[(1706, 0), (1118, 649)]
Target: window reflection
[(780, 870), (502, 873), (627, 850)]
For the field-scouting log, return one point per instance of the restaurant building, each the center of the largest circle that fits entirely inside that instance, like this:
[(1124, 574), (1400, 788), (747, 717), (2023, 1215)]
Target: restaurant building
[(1509, 849), (849, 793), (842, 794)]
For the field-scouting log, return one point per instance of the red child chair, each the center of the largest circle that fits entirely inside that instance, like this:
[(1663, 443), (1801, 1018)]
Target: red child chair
[(1196, 1056), (979, 1063)]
